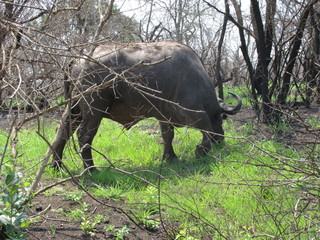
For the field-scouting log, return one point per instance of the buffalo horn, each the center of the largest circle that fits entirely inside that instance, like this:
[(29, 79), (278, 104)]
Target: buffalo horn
[(235, 109)]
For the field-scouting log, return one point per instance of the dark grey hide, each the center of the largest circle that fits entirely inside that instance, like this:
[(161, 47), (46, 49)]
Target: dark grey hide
[(166, 81)]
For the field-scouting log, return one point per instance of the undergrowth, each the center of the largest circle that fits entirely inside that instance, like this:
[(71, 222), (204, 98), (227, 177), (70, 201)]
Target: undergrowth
[(246, 187)]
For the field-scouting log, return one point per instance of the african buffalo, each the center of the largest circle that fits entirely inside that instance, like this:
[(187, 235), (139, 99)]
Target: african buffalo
[(133, 81)]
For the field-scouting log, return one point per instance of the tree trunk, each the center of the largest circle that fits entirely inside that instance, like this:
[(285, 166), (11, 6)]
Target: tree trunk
[(315, 21), (310, 66), (4, 31), (261, 73), (296, 43), (244, 49), (219, 77)]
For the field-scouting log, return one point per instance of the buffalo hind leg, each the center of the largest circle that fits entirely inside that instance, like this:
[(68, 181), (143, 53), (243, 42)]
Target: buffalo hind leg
[(167, 132), (70, 121), (86, 133)]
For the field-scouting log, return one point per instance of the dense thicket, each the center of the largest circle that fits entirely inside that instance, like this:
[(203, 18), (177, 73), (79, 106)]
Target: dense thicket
[(278, 41), (269, 50)]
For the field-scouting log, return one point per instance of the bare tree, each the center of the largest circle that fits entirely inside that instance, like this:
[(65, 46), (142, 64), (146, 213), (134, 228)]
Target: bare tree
[(218, 74), (188, 22), (38, 39), (272, 76), (296, 43)]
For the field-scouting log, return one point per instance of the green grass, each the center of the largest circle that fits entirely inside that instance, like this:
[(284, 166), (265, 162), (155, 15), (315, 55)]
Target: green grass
[(314, 122), (242, 91), (243, 188)]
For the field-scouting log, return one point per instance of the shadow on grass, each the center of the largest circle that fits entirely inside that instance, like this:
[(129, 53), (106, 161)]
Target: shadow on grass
[(130, 176)]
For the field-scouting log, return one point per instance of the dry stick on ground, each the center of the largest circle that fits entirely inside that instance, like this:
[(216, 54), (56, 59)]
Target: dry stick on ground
[(73, 178)]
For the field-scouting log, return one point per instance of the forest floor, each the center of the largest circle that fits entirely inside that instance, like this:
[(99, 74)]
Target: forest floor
[(55, 225)]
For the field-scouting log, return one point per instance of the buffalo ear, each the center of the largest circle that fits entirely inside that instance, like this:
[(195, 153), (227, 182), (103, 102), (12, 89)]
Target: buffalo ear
[(224, 116)]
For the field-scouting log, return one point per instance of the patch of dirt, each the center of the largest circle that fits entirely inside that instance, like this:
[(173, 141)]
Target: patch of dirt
[(295, 132), (53, 224)]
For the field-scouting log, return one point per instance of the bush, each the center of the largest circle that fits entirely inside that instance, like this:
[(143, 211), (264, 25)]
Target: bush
[(14, 193)]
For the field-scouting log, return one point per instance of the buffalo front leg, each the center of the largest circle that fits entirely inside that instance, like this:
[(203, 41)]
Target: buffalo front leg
[(86, 133), (217, 135), (167, 132), (205, 146), (204, 125), (213, 134), (70, 122)]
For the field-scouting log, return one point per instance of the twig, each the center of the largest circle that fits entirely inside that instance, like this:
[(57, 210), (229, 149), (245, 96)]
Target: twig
[(7, 141), (263, 235), (60, 182), (45, 210)]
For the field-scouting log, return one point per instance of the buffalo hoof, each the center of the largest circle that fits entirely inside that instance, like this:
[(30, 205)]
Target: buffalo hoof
[(170, 158), (56, 165), (201, 151)]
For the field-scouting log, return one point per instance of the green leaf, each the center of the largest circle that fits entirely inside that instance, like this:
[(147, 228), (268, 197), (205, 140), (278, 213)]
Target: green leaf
[(17, 221), (5, 220)]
